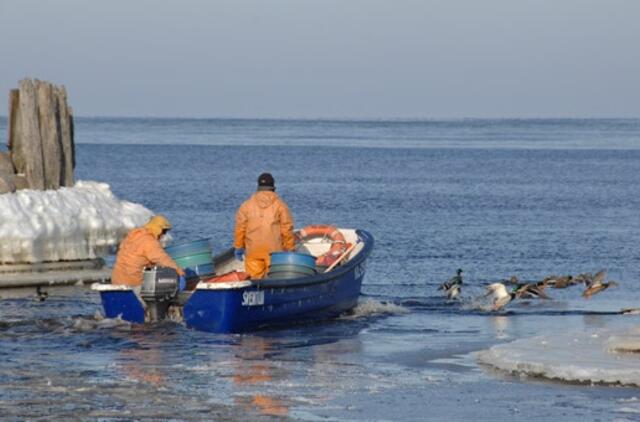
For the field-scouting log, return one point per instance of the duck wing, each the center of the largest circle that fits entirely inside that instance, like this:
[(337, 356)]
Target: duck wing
[(538, 291), (594, 289), (599, 277)]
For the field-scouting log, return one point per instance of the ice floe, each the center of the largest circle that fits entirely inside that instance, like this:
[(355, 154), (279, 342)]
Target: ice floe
[(82, 222), (603, 357)]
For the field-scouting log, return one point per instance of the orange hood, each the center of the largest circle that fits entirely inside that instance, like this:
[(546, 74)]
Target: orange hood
[(265, 198)]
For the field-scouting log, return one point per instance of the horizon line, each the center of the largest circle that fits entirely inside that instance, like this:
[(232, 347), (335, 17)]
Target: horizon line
[(346, 119)]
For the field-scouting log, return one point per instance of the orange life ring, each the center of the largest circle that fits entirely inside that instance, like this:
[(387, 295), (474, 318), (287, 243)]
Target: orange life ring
[(338, 242)]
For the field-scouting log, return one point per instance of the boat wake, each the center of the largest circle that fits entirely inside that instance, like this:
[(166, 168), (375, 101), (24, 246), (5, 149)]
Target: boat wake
[(371, 307), (71, 324), (98, 322)]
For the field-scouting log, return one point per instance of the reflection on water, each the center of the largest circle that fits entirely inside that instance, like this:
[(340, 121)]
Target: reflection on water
[(595, 321), (253, 366), (500, 326), (143, 365), (264, 404), (275, 370)]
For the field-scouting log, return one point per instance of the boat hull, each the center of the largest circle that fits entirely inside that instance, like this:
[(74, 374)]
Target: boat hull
[(251, 305), (122, 303), (254, 307), (247, 306)]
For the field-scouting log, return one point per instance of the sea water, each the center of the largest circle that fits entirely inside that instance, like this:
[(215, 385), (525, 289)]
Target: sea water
[(494, 197)]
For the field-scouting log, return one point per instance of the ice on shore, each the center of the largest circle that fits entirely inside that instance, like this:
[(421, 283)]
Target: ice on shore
[(82, 222), (605, 357)]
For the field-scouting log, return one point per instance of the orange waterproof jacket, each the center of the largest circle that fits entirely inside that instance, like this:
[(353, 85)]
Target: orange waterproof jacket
[(138, 250), (264, 224)]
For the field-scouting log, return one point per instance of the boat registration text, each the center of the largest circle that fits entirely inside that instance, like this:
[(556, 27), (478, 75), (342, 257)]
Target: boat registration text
[(253, 298)]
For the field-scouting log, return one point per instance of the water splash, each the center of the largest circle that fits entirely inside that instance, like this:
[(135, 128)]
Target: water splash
[(371, 307), (84, 324)]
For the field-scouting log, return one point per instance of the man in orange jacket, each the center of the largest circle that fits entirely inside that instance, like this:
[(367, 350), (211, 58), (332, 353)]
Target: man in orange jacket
[(263, 225), (141, 248)]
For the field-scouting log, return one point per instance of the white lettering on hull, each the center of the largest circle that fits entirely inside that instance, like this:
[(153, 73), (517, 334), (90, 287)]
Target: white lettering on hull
[(253, 298)]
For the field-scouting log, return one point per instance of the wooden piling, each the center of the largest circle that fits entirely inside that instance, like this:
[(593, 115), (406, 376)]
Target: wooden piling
[(66, 136), (14, 103), (41, 134), (26, 145), (49, 119)]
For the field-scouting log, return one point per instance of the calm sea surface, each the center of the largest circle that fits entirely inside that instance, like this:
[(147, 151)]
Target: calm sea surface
[(493, 197)]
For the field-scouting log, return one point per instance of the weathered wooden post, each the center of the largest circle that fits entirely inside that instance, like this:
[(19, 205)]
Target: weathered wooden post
[(6, 174), (26, 145), (41, 145), (49, 120), (66, 134)]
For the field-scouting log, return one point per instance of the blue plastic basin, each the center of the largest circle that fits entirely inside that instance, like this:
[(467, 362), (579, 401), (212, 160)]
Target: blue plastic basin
[(293, 258), (196, 247), (193, 260), (291, 268), (194, 257), (285, 275)]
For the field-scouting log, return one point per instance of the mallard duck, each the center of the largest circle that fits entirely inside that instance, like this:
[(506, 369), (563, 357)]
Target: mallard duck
[(595, 288), (452, 286), (588, 279), (530, 291), (41, 294), (599, 277), (559, 282), (501, 297), (453, 292)]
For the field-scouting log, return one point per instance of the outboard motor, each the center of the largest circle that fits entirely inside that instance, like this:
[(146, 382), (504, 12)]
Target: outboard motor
[(159, 288)]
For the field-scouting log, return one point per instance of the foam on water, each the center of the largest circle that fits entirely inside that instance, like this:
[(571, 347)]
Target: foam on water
[(80, 324), (371, 307), (580, 357), (82, 222)]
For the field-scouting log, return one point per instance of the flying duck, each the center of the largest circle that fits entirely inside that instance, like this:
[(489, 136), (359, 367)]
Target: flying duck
[(501, 297), (595, 288), (530, 291), (560, 282)]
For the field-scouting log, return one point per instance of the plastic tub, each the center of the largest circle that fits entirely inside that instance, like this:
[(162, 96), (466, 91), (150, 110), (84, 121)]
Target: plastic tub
[(286, 275), (283, 258), (196, 247), (193, 260), (291, 268)]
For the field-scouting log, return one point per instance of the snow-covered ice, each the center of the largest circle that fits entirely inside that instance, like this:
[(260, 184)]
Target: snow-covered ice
[(601, 357), (627, 342), (82, 222)]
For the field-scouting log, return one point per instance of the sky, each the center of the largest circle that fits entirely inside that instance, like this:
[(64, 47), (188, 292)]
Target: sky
[(361, 59)]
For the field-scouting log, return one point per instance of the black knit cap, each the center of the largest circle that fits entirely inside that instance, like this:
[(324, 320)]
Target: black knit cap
[(266, 179)]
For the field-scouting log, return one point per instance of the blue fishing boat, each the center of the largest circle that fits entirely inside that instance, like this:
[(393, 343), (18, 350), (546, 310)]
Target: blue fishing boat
[(246, 305)]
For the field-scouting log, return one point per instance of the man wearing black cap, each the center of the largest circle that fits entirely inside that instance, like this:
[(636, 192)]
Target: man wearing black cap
[(263, 225)]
